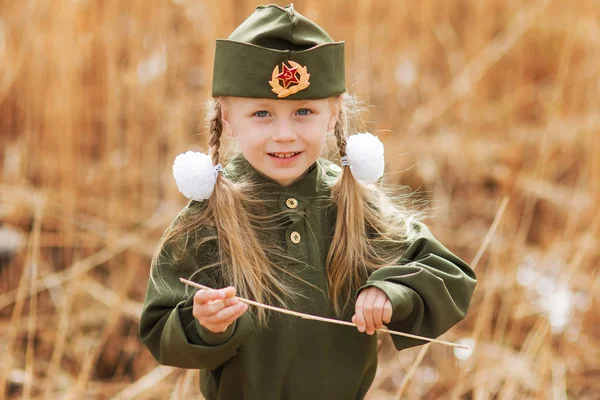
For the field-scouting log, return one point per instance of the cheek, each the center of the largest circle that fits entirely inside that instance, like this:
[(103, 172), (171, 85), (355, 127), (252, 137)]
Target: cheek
[(320, 143), (251, 144), (318, 136)]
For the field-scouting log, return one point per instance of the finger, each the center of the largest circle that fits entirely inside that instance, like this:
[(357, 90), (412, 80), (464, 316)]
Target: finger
[(206, 295), (378, 310), (368, 311), (226, 314), (358, 309), (228, 291), (243, 308), (387, 311), (231, 301), (354, 319), (213, 307)]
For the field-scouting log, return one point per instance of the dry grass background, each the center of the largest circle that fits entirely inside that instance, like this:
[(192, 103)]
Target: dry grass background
[(478, 102)]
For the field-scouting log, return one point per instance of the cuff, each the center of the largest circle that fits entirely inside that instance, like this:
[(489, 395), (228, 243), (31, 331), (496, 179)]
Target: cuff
[(214, 338), (400, 296)]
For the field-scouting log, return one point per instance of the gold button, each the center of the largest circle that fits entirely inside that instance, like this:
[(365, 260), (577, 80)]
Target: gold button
[(295, 237), (291, 203)]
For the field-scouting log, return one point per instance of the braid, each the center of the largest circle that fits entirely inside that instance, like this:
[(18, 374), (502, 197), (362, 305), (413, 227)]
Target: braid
[(216, 128), (341, 133)]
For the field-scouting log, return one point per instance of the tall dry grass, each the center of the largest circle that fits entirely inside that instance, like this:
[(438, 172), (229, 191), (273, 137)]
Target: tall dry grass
[(488, 108)]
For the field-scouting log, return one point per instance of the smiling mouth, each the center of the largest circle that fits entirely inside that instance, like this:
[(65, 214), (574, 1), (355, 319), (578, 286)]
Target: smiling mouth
[(285, 155)]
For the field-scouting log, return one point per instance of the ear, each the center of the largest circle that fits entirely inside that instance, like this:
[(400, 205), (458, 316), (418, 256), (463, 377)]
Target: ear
[(332, 122)]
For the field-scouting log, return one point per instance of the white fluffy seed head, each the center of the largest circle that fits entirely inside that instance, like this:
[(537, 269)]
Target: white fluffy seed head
[(195, 175), (365, 156)]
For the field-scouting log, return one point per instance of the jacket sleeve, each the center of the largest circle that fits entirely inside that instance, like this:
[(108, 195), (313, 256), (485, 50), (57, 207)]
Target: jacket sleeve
[(430, 290), (168, 328)]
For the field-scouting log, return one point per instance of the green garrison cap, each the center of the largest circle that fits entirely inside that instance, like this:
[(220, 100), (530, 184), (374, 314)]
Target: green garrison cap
[(279, 53)]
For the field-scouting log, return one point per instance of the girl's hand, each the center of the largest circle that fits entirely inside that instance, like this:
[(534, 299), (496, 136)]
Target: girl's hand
[(373, 309), (217, 309)]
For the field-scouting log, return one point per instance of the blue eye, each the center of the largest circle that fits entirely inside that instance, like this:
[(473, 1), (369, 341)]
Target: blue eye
[(261, 114), (304, 111)]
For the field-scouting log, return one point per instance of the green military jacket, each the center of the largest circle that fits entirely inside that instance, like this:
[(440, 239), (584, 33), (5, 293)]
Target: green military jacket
[(430, 291)]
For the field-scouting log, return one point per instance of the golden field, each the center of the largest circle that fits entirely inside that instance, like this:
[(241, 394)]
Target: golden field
[(489, 111)]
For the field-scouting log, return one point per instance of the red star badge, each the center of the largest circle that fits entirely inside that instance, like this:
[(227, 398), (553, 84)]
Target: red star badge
[(294, 73), (288, 75)]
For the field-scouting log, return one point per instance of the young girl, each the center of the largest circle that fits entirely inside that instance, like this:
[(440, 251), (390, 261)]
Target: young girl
[(282, 226)]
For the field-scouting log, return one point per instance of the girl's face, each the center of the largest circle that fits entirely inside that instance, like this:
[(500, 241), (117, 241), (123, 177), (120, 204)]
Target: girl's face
[(280, 138)]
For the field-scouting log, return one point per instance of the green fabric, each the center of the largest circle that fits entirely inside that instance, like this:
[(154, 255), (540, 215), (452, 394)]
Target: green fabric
[(430, 290), (272, 35)]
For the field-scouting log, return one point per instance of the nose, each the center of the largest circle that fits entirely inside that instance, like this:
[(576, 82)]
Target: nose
[(284, 133)]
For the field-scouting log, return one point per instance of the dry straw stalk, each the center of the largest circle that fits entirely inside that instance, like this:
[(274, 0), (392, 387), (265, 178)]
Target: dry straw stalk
[(330, 320)]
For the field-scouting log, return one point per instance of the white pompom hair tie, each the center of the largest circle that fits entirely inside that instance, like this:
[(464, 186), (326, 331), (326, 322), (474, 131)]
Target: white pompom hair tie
[(364, 156), (195, 175)]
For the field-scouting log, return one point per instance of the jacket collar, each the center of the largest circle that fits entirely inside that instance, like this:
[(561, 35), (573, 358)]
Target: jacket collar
[(308, 185)]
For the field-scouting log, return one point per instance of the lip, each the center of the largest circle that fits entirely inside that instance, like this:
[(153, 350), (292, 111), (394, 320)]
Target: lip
[(284, 161)]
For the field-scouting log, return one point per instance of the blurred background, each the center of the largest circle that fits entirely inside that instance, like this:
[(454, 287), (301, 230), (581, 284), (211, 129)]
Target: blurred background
[(489, 110)]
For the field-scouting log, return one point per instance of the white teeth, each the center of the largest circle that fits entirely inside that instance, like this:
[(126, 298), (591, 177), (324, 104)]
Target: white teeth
[(281, 155)]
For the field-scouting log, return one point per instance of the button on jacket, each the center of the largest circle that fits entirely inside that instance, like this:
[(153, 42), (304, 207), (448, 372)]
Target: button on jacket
[(430, 291)]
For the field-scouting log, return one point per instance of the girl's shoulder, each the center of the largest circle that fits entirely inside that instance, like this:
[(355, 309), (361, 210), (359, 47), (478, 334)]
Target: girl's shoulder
[(188, 217), (192, 207)]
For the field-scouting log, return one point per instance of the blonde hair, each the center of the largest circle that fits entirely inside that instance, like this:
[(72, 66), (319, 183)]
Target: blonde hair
[(371, 231)]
